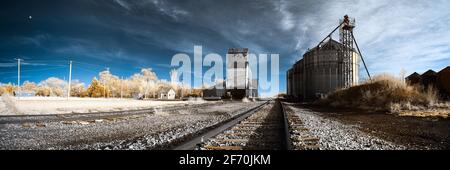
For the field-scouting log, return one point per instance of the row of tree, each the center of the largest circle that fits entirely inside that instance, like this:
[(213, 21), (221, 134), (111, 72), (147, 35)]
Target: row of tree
[(143, 84), (49, 87)]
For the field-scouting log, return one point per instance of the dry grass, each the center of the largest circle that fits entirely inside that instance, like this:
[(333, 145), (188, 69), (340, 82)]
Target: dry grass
[(390, 94), (8, 105)]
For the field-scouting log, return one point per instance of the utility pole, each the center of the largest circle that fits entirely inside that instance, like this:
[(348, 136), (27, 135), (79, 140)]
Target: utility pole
[(104, 83), (121, 87), (70, 79), (182, 86), (18, 78), (104, 89)]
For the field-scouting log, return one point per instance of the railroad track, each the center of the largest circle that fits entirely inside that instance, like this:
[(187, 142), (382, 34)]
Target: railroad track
[(266, 127), (263, 130), (299, 136), (195, 141)]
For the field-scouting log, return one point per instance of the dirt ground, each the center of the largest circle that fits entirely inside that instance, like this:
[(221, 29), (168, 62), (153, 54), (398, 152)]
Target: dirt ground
[(414, 132)]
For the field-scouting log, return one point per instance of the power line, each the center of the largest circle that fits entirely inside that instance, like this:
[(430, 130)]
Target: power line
[(57, 63), (99, 66), (103, 66), (85, 69), (33, 60), (44, 69), (34, 70), (40, 64)]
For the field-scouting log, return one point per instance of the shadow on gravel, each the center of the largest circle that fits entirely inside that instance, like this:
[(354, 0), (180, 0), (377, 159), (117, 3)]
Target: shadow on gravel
[(270, 135)]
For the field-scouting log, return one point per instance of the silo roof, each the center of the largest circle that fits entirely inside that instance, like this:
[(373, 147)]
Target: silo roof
[(429, 73)]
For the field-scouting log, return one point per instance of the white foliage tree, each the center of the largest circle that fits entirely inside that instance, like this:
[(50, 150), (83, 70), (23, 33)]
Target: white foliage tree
[(78, 89), (144, 82), (111, 82), (56, 86)]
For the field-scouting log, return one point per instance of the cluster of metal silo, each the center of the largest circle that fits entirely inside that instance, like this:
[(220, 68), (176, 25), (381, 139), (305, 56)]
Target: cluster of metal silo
[(437, 80), (320, 72), (443, 79)]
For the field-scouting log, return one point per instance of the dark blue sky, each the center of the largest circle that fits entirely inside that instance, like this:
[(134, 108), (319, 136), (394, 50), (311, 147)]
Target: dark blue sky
[(128, 35), (121, 35)]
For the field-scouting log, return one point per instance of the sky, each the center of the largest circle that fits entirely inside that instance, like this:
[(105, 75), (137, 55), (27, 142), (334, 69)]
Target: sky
[(126, 36)]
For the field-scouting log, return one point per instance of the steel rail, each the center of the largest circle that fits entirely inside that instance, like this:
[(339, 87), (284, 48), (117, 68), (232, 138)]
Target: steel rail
[(194, 142)]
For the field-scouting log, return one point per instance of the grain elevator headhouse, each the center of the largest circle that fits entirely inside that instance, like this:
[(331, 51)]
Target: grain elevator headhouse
[(329, 66), (239, 83)]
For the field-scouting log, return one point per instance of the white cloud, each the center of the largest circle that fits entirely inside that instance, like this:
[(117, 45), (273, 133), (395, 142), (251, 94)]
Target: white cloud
[(287, 22), (392, 35), (123, 4), (171, 11)]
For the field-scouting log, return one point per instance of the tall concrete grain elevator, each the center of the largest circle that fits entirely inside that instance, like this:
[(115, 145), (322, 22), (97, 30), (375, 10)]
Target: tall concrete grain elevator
[(329, 66)]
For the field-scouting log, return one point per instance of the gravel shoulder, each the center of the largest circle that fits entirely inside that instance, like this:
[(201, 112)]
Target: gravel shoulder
[(344, 129), (334, 135)]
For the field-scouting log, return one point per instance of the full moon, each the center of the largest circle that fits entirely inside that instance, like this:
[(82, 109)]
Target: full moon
[(30, 17)]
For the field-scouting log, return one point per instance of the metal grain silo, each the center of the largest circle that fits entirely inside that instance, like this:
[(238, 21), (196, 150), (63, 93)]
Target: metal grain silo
[(428, 79), (443, 81)]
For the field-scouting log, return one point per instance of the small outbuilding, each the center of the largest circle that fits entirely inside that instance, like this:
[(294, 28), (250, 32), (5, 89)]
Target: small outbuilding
[(167, 94), (443, 81), (24, 93), (413, 79), (428, 79)]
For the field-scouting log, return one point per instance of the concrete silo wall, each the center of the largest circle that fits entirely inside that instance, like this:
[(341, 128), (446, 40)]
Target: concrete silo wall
[(318, 73)]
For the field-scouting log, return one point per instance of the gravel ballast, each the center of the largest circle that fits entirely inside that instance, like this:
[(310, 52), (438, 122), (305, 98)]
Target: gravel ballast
[(144, 131), (334, 135)]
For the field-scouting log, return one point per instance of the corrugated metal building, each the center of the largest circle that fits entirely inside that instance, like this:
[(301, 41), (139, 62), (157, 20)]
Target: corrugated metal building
[(428, 79), (215, 92), (443, 78), (413, 79), (439, 81), (320, 72)]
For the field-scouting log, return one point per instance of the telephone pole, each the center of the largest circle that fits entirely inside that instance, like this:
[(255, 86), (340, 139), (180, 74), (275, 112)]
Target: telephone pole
[(70, 79), (121, 87), (104, 83), (18, 78)]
